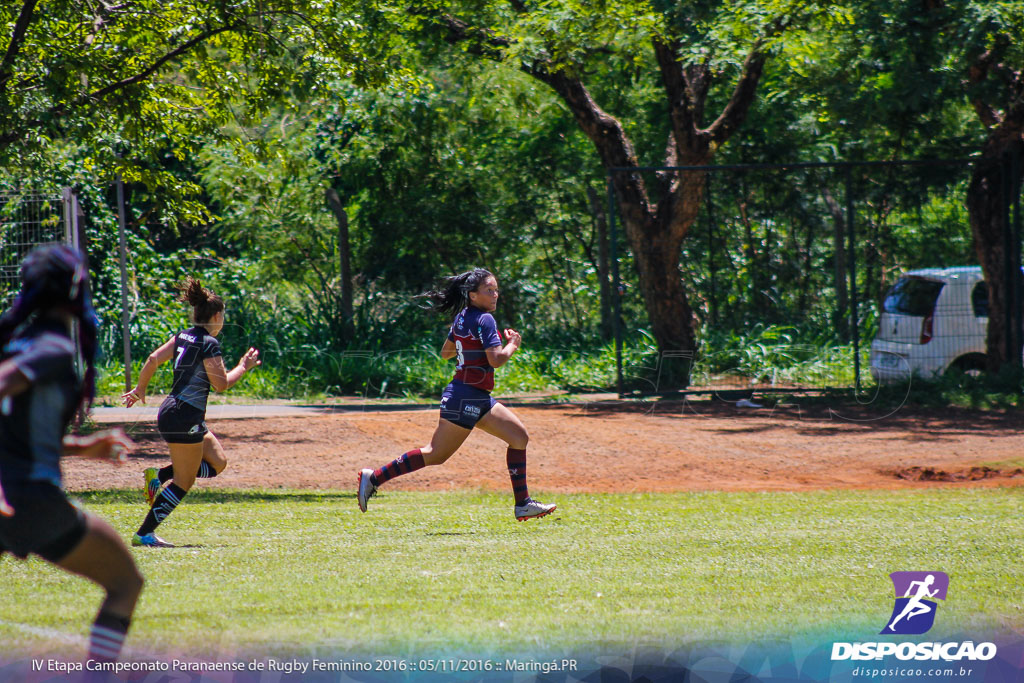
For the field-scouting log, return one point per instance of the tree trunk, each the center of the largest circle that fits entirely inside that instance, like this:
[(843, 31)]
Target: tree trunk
[(655, 234), (668, 308), (344, 258), (839, 315), (989, 195), (995, 185)]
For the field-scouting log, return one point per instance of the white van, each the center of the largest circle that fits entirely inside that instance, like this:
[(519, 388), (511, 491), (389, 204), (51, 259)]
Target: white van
[(933, 319)]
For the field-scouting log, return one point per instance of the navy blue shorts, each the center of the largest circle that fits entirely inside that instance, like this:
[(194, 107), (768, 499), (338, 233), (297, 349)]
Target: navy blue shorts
[(464, 405), (45, 522), (181, 422)]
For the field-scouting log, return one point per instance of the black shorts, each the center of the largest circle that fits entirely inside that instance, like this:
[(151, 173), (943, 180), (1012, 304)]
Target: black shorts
[(45, 522), (464, 405), (181, 422)]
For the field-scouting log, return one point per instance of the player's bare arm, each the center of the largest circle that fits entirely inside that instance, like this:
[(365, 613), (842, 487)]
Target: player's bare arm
[(499, 355), (220, 378), (448, 351), (155, 359), (110, 444)]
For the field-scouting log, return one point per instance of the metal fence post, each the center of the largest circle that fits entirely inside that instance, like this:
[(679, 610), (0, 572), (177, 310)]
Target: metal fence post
[(851, 255), (712, 267), (616, 285), (1012, 184), (125, 338), (68, 207)]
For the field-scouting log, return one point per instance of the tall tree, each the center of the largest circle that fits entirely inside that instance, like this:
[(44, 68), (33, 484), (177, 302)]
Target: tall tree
[(992, 72), (707, 58)]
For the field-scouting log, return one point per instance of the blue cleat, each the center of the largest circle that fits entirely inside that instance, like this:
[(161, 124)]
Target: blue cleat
[(150, 541)]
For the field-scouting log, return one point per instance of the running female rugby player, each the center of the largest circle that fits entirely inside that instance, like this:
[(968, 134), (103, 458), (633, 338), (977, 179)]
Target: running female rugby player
[(40, 392), (198, 365), (476, 346)]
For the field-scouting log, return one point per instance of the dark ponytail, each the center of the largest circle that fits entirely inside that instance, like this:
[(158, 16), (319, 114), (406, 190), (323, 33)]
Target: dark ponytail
[(205, 304), (453, 295), (56, 278)]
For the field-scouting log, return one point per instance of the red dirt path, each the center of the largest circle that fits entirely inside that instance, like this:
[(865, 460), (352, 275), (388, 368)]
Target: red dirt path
[(616, 447)]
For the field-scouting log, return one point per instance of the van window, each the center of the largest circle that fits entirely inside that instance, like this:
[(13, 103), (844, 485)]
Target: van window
[(913, 296), (979, 300)]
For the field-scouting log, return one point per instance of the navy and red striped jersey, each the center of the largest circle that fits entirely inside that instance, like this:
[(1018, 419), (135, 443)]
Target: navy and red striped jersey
[(473, 332)]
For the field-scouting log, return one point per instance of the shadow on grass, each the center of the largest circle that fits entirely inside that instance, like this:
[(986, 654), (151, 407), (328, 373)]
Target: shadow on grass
[(131, 496)]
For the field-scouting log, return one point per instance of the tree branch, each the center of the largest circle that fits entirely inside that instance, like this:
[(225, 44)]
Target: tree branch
[(687, 93), (608, 136), (604, 130), (977, 73), (736, 110), (155, 66), (482, 41), (17, 37)]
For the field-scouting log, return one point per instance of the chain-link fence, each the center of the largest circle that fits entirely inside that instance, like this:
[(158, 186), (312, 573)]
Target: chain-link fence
[(27, 220), (813, 276)]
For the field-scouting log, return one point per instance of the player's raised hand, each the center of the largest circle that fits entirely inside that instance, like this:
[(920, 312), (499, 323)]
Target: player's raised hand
[(133, 396), (111, 444), (513, 337), (251, 359)]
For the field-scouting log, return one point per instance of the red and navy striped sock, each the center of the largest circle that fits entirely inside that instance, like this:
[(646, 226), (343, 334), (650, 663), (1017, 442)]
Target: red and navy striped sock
[(406, 463), (515, 459)]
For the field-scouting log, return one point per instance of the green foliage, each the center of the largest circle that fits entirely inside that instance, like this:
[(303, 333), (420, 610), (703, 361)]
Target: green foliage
[(228, 149), (774, 355), (140, 84)]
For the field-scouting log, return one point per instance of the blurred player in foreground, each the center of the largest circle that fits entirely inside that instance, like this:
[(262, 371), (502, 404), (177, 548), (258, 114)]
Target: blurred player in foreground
[(198, 365), (40, 392), (466, 403)]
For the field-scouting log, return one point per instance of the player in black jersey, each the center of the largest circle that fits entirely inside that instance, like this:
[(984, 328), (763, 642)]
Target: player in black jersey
[(198, 365), (40, 392)]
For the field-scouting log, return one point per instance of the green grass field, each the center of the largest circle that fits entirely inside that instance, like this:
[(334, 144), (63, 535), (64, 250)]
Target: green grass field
[(305, 573)]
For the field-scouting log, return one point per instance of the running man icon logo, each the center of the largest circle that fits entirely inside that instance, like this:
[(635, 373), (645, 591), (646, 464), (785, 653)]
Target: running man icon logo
[(914, 611)]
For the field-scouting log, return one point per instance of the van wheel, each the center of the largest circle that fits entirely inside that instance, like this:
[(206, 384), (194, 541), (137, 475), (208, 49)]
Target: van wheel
[(972, 364)]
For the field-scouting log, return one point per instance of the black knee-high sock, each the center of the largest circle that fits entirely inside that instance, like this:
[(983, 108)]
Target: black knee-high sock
[(107, 636), (205, 471), (162, 507)]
